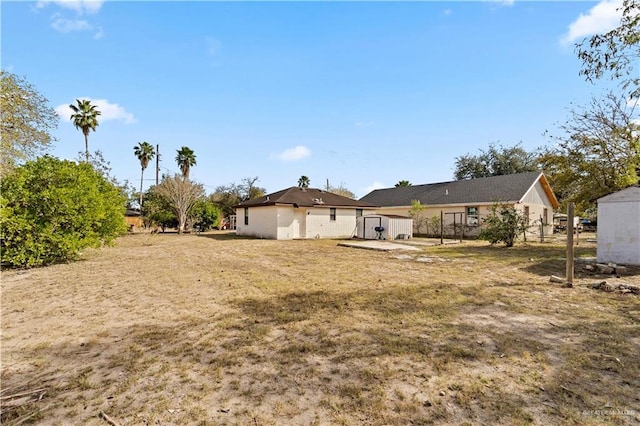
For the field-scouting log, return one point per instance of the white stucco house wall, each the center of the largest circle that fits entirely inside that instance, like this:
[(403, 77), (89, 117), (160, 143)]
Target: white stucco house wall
[(619, 227), (300, 213), (464, 203)]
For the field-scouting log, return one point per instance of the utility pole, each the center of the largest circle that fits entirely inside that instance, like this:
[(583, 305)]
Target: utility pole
[(157, 162)]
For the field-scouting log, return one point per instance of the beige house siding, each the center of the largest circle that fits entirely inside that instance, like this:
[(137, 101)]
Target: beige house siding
[(471, 229)]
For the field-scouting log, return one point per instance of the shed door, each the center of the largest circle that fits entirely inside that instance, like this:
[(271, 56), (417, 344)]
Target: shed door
[(370, 224)]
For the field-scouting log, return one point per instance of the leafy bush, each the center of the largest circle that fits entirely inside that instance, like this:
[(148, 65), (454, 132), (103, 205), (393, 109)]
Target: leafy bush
[(51, 209), (205, 214), (503, 225)]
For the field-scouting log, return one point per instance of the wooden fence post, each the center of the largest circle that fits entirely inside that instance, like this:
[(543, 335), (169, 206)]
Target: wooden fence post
[(570, 254)]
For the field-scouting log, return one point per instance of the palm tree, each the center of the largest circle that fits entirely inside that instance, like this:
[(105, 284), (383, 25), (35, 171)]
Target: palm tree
[(85, 118), (402, 183), (145, 153), (185, 159), (304, 182)]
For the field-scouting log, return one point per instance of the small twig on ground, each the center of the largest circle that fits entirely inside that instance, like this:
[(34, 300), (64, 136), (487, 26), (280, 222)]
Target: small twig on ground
[(108, 419), (612, 357), (19, 394), (24, 419)]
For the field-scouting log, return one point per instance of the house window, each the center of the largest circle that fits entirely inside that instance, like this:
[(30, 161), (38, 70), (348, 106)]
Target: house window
[(545, 221), (472, 216), (246, 215), (332, 213), (358, 212), (526, 215)]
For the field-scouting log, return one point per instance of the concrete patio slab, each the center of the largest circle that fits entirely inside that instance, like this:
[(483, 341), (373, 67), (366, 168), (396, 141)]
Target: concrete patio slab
[(377, 245)]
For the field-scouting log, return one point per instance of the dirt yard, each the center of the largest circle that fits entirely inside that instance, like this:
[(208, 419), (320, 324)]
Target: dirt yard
[(218, 330)]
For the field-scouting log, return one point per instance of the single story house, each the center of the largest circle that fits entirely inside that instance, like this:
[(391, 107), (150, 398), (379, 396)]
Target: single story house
[(619, 227), (463, 204), (300, 213)]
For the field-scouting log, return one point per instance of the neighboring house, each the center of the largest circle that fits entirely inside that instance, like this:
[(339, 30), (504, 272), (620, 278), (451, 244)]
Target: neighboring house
[(463, 204), (300, 213), (619, 227)]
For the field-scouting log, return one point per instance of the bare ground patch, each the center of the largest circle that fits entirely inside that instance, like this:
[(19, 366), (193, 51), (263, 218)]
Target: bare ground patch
[(211, 329)]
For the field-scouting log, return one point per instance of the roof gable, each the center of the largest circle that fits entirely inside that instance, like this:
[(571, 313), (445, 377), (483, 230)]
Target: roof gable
[(305, 197), (505, 188)]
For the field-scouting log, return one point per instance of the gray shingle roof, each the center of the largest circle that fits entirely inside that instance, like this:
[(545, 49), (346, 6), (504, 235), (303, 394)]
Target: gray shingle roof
[(506, 188), (306, 197)]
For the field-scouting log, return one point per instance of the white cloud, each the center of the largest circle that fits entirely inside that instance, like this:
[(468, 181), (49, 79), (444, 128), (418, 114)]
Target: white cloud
[(64, 25), (601, 18), (294, 154), (375, 185), (108, 111), (365, 123), (99, 34), (79, 6), (447, 12), (633, 102)]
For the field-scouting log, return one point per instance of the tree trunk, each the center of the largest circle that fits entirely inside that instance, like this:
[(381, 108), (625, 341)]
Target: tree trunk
[(182, 219), (141, 179), (86, 146)]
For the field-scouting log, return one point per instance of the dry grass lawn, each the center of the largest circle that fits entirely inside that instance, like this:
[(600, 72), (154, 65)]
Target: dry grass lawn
[(219, 330)]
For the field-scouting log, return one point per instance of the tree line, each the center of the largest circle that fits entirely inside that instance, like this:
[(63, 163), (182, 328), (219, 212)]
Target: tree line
[(51, 209)]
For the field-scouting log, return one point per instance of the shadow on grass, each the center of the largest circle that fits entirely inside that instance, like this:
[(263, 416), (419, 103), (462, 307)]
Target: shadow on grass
[(223, 235), (347, 352)]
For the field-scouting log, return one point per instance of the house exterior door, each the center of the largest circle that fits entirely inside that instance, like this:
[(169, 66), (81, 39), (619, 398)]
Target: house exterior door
[(298, 226)]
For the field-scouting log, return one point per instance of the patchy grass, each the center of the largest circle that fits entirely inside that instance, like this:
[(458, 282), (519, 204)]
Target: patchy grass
[(214, 329)]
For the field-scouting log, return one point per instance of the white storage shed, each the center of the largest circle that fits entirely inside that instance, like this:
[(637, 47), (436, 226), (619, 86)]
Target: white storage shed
[(619, 227)]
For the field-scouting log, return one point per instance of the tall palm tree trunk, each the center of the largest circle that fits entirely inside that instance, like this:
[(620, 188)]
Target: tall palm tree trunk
[(141, 179), (86, 145)]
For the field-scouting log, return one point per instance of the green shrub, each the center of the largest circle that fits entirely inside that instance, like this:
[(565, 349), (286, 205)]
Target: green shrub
[(503, 225), (51, 209)]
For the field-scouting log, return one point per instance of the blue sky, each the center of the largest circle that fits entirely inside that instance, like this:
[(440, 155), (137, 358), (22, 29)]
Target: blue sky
[(361, 93)]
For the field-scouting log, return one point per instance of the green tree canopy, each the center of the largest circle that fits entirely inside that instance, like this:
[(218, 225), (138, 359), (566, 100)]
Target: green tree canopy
[(616, 53), (85, 118), (50, 209), (496, 161), (205, 214), (156, 210), (402, 183), (186, 159), (598, 153), (228, 196), (26, 122)]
